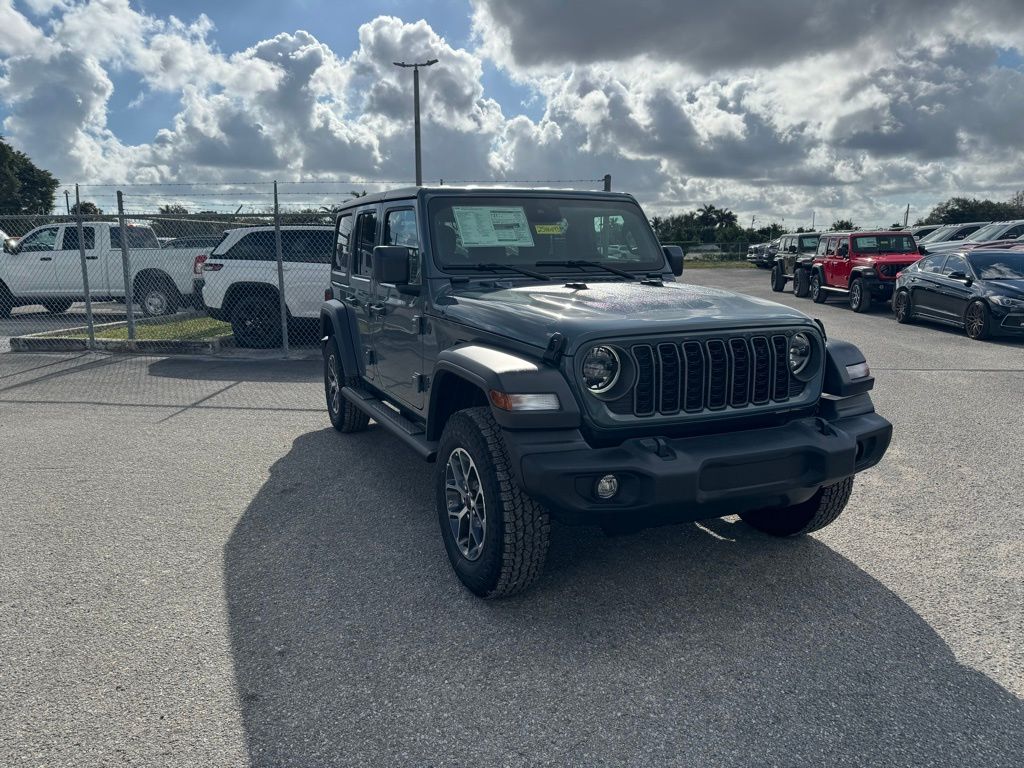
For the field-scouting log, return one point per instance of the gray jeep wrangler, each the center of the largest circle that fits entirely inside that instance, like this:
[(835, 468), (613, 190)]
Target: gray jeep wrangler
[(537, 347)]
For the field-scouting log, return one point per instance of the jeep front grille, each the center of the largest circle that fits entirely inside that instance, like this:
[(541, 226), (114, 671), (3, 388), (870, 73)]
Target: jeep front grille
[(709, 375), (890, 270)]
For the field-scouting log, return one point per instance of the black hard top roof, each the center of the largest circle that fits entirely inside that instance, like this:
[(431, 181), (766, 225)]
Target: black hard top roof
[(407, 193)]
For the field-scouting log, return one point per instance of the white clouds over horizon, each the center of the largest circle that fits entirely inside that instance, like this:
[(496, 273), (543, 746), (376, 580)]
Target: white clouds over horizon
[(681, 102)]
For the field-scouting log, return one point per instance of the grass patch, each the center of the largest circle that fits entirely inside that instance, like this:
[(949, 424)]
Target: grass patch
[(190, 329), (731, 264)]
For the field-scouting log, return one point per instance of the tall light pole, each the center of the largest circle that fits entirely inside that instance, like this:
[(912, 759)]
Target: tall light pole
[(416, 106)]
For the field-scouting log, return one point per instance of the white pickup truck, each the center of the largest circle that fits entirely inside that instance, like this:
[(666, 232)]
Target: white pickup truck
[(45, 267)]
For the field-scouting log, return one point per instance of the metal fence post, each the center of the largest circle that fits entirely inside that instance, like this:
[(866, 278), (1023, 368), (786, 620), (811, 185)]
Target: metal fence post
[(126, 267), (280, 273), (85, 269)]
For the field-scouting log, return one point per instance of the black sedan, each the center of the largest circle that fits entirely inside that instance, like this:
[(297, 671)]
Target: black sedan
[(981, 291)]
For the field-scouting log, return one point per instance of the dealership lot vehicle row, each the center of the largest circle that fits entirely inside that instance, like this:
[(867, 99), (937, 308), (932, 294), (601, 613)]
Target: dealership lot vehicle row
[(282, 601)]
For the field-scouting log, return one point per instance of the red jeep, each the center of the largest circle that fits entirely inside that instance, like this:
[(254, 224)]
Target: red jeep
[(860, 265)]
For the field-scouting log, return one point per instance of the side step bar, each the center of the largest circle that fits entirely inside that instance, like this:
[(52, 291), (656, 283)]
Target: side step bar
[(407, 431)]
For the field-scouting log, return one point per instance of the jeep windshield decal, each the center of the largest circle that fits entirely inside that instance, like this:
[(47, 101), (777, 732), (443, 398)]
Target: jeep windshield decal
[(531, 231)]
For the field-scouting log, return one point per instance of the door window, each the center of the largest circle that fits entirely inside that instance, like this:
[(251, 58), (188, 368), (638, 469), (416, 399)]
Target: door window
[(400, 229), (341, 245), (43, 240), (830, 249), (932, 265), (306, 246), (70, 240), (955, 263), (255, 246), (366, 238), (1013, 232), (822, 245)]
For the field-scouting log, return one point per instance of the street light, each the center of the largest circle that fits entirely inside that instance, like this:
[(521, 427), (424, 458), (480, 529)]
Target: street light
[(416, 105)]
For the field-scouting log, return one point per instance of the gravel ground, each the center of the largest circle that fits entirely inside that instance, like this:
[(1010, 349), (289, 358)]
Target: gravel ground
[(196, 570)]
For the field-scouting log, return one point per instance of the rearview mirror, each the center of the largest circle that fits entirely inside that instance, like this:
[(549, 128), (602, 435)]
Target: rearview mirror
[(674, 257), (391, 264)]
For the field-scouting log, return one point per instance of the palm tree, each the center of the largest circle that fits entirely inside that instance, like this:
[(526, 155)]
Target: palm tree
[(707, 215), (726, 218)]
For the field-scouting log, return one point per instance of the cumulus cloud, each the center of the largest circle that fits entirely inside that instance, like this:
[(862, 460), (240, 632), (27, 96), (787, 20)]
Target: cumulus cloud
[(849, 109)]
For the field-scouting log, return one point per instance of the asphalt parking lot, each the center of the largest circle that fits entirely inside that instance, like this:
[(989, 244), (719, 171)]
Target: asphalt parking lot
[(195, 569), (35, 319)]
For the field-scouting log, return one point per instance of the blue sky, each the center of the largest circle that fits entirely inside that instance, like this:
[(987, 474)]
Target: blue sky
[(678, 100)]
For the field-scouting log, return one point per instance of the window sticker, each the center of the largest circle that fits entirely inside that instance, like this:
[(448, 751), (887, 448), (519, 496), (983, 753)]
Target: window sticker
[(549, 229), (482, 226)]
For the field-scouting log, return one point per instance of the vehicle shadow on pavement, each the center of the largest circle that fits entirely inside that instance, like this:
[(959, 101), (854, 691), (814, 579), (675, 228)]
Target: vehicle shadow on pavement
[(270, 369), (690, 645)]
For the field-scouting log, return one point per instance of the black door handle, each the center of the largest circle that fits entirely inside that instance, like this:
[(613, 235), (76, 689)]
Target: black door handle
[(376, 310), (91, 258), (46, 258)]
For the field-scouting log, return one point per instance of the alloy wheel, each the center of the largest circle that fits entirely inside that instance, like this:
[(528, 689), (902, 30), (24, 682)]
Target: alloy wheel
[(901, 307), (856, 295), (333, 385), (467, 508), (975, 321)]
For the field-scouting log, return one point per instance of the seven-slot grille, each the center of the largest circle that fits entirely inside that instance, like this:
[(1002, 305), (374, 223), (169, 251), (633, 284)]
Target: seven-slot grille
[(710, 375), (890, 270)]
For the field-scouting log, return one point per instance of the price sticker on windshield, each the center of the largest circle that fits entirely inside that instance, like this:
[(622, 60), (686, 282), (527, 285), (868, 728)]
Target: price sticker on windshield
[(483, 226)]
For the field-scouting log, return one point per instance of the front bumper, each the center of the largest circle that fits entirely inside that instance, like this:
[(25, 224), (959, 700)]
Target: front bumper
[(672, 480)]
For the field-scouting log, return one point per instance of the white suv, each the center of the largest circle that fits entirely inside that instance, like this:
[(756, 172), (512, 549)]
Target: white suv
[(239, 280)]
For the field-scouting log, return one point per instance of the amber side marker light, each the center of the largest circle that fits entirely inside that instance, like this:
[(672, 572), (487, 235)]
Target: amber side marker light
[(533, 402)]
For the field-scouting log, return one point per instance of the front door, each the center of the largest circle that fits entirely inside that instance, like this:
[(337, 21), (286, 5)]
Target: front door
[(954, 294), (831, 259), (29, 272), (360, 295), (398, 339), (67, 263)]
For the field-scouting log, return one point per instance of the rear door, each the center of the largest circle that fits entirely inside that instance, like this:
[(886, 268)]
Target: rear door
[(306, 254), (924, 285), (67, 262), (398, 341), (30, 271)]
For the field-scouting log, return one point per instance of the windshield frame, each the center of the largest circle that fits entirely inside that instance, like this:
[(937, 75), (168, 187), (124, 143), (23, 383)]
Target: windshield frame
[(979, 273), (643, 233)]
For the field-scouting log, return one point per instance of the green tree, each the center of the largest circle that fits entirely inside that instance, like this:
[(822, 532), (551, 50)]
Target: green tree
[(173, 210), (87, 208), (841, 225), (957, 210), (24, 187)]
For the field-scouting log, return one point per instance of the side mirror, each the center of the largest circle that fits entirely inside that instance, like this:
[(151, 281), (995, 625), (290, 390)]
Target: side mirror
[(391, 265), (961, 276), (844, 250), (922, 250), (674, 257), (792, 249)]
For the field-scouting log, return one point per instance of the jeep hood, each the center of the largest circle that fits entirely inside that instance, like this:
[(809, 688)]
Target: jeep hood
[(531, 313)]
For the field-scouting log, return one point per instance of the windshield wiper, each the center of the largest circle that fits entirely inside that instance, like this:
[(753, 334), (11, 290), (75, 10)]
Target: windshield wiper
[(496, 267), (579, 263)]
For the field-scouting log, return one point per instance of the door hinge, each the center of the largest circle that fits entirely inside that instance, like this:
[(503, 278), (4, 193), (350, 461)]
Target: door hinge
[(371, 356), (421, 382), (419, 323)]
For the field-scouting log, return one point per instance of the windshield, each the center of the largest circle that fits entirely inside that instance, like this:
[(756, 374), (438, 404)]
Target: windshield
[(521, 231), (809, 243), (988, 232), (934, 235), (998, 266), (884, 244)]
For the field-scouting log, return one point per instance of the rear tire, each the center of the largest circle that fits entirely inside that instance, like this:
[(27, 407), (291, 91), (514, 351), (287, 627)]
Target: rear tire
[(860, 296), (977, 324), (818, 294), (495, 535), (57, 307), (801, 284), (157, 297), (778, 279), (902, 309), (256, 322), (345, 417), (800, 519)]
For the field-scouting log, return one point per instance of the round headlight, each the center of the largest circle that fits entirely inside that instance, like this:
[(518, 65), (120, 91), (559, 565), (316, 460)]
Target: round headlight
[(800, 350), (601, 368)]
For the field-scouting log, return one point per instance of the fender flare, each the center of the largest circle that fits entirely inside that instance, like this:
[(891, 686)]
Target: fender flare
[(338, 320), (490, 368)]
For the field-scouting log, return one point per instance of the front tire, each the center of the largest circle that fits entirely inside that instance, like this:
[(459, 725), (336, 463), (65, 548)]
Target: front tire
[(801, 284), (800, 519), (495, 535), (860, 296), (902, 309), (818, 294), (345, 417), (778, 279), (256, 322), (977, 325)]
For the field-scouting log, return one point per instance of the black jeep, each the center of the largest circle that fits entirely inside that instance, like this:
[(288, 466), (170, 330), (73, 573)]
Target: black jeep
[(793, 262), (537, 346)]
